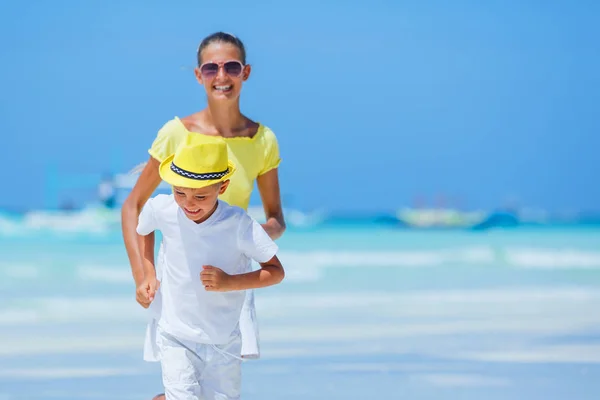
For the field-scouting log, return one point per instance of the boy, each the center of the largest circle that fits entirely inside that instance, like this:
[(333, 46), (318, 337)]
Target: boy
[(208, 248)]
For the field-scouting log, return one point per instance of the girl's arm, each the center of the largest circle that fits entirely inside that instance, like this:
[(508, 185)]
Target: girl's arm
[(268, 186), (144, 187)]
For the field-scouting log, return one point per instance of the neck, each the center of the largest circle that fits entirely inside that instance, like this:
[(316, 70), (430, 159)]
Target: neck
[(226, 117)]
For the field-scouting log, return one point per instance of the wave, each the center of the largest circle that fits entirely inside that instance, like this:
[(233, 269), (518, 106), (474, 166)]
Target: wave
[(66, 373), (101, 221), (92, 220), (311, 266), (517, 257), (97, 220), (477, 302), (553, 258)]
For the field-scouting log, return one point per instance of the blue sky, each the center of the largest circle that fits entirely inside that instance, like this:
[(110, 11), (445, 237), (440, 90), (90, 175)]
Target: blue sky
[(374, 102)]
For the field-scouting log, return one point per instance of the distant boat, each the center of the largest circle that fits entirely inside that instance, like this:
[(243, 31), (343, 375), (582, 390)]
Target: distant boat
[(440, 218)]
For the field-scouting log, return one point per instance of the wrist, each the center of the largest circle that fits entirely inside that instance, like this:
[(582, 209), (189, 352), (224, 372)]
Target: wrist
[(274, 228), (235, 282), (138, 279), (149, 273)]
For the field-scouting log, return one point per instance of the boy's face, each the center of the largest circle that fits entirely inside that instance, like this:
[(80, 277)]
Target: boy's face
[(199, 204)]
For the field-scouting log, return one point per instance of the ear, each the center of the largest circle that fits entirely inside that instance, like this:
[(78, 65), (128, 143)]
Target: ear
[(223, 187), (247, 70), (198, 75)]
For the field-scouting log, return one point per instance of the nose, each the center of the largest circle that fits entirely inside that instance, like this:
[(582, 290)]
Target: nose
[(187, 203), (221, 72)]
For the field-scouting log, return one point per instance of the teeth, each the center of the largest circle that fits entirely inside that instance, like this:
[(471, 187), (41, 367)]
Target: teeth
[(222, 87)]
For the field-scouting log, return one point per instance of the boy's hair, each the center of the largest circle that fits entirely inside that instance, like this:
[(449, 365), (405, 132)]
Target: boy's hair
[(214, 184)]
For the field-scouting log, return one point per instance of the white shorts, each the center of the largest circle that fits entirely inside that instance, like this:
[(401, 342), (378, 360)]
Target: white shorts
[(248, 328), (196, 371)]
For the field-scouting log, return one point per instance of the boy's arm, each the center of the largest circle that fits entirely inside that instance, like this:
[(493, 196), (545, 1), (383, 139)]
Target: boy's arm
[(146, 289), (215, 280), (256, 244), (146, 244), (147, 224), (270, 273)]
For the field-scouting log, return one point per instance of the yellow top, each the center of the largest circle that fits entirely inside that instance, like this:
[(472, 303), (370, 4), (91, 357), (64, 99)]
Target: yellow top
[(252, 156)]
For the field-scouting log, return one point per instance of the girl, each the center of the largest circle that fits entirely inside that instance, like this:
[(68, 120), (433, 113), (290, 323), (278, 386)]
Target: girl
[(253, 147)]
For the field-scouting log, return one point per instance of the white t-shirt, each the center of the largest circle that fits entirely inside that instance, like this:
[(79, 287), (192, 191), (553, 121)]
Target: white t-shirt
[(229, 239)]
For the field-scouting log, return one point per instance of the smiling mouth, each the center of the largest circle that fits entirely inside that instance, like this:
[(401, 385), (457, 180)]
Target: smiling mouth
[(192, 212), (222, 88)]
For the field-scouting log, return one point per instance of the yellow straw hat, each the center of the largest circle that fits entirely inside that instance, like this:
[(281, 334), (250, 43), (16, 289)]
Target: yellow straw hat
[(197, 165)]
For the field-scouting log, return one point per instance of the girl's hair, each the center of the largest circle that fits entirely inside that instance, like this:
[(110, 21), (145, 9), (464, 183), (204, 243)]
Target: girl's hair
[(222, 37)]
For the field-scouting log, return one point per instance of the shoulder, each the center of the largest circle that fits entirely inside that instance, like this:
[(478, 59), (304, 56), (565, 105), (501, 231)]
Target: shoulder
[(229, 211), (174, 126), (233, 214), (267, 141), (169, 136), (191, 121), (154, 213), (164, 209), (163, 199), (259, 131), (162, 202), (266, 134)]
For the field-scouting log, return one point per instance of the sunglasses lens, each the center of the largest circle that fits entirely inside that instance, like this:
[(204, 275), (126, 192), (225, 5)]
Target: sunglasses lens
[(233, 68), (209, 70)]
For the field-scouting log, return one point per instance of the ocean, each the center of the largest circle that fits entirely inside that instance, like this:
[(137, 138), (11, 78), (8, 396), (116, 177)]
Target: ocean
[(366, 311)]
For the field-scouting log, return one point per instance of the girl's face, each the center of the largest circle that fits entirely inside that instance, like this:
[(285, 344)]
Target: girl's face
[(222, 72)]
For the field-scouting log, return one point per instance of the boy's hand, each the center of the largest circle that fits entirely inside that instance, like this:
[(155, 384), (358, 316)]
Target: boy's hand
[(215, 280), (146, 291)]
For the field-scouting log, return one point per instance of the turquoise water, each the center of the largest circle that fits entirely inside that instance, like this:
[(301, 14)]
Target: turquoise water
[(367, 312)]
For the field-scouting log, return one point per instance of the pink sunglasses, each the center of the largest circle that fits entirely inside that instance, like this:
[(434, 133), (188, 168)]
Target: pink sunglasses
[(232, 68)]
